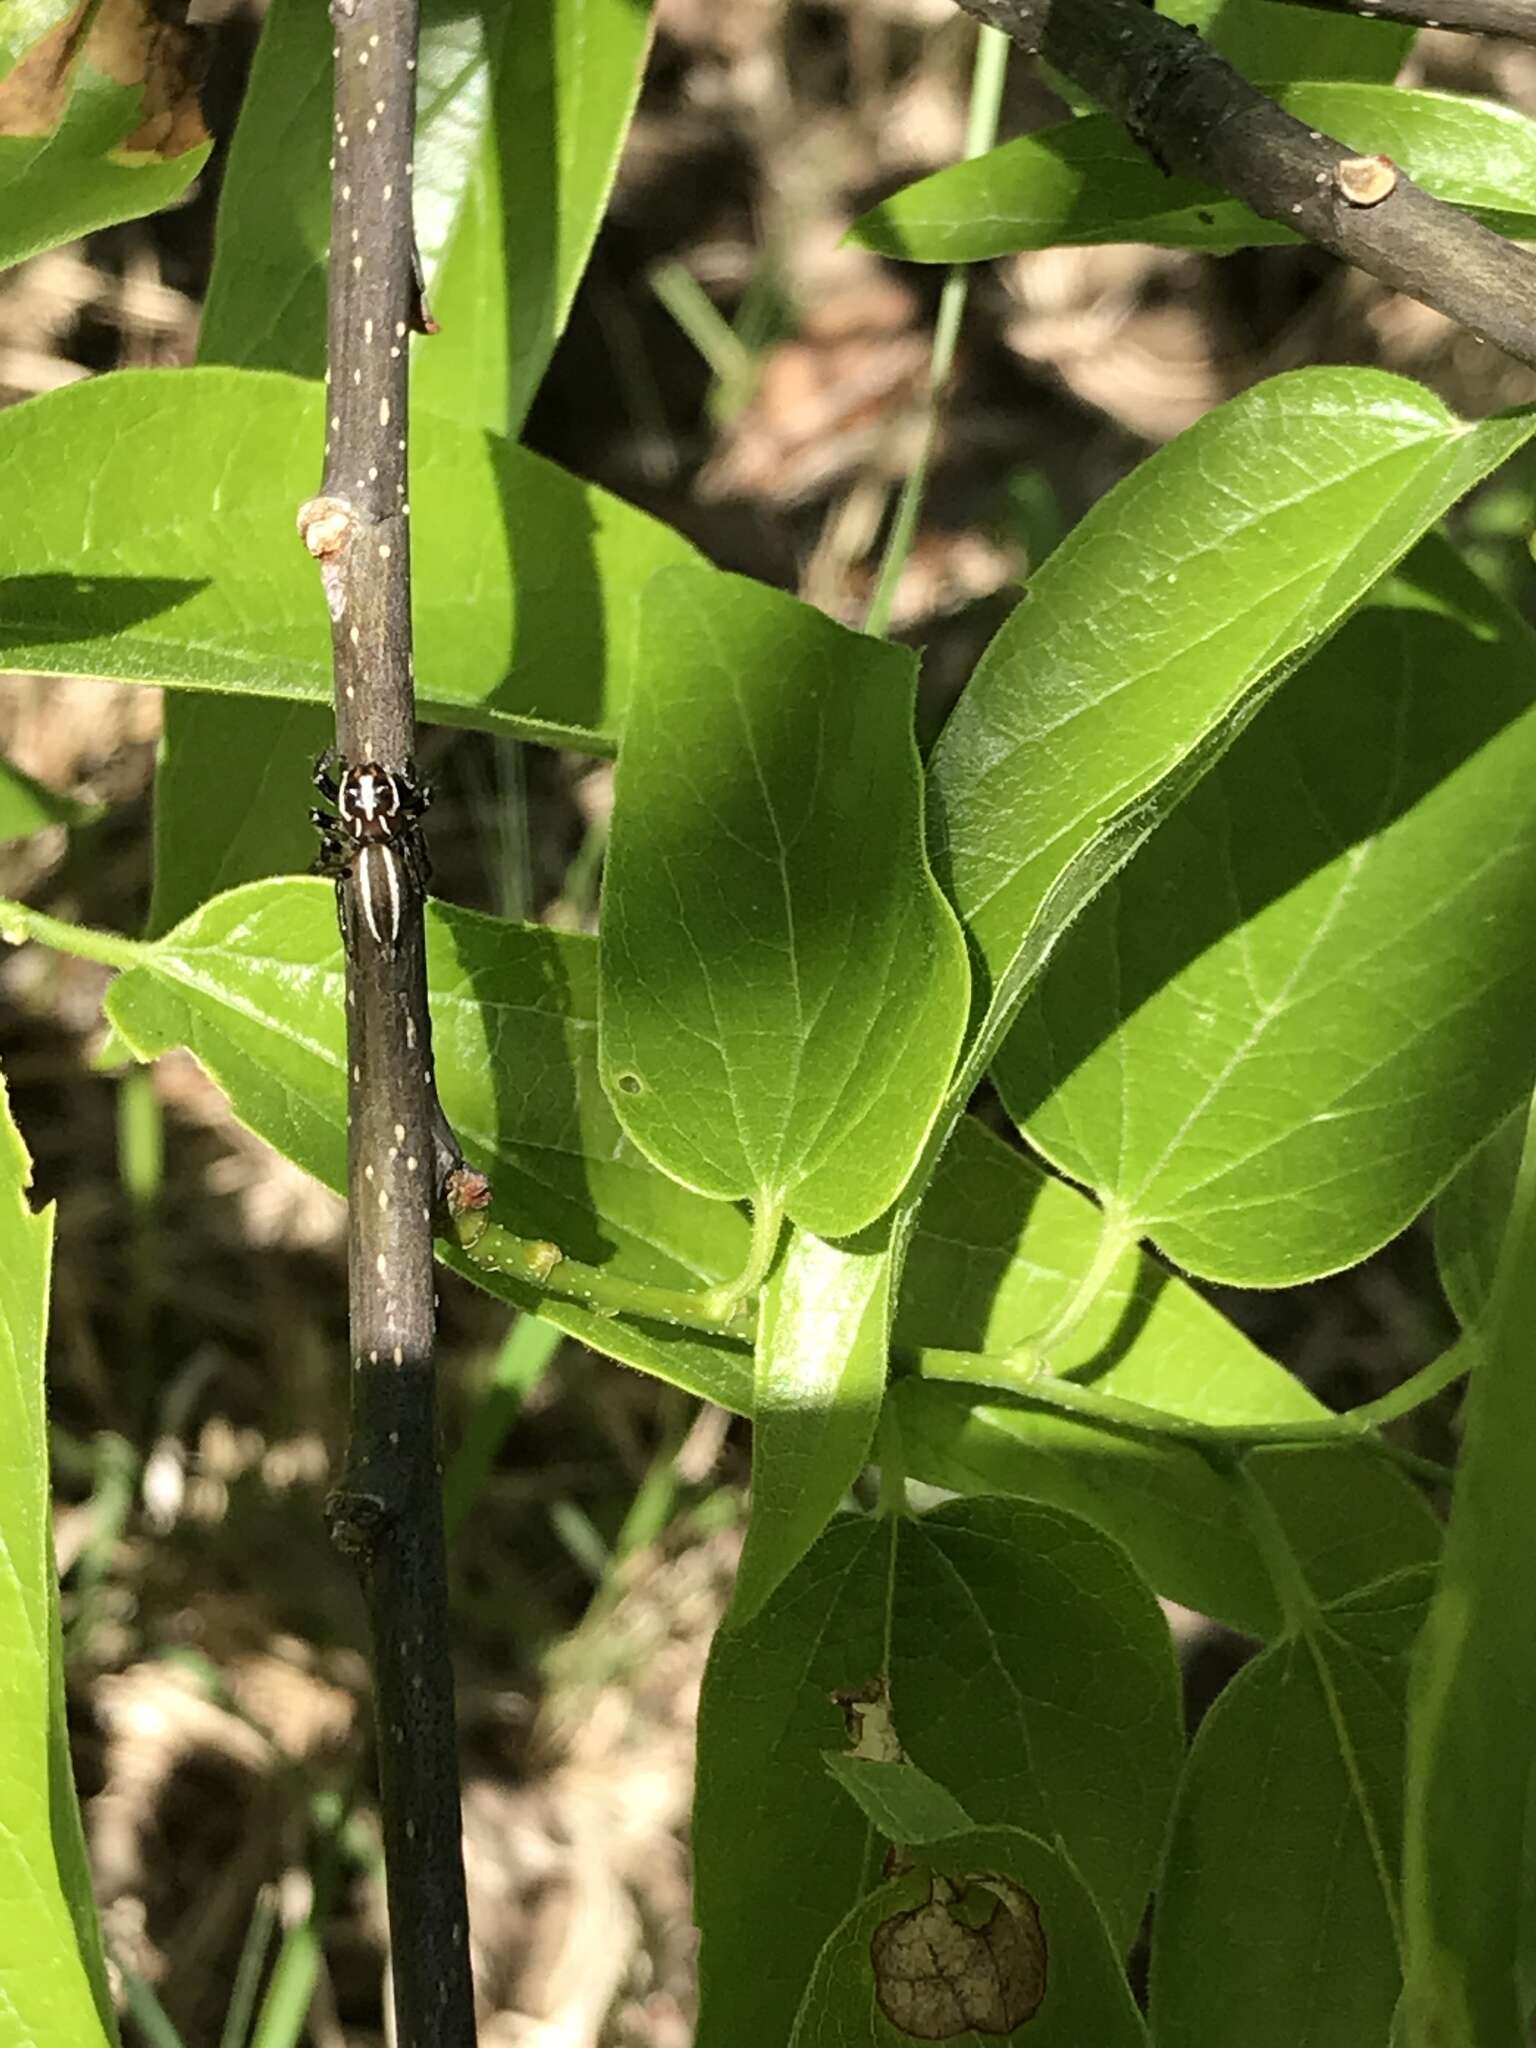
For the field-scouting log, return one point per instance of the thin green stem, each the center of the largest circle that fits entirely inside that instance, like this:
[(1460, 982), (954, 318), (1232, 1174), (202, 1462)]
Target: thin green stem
[(19, 922), (1027, 1378), (1116, 1236), (722, 1304), (538, 1263), (981, 131)]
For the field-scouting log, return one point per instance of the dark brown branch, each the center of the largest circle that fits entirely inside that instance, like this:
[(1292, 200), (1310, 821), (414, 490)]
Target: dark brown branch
[(388, 1510), (1192, 112), (1468, 17)]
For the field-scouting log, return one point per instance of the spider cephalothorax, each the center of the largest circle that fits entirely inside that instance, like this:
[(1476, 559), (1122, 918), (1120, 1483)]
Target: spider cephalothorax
[(371, 834)]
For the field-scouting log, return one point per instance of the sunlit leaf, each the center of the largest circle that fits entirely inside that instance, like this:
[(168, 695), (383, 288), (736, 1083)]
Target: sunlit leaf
[(1087, 182), (1278, 1032), (527, 582), (55, 1983)]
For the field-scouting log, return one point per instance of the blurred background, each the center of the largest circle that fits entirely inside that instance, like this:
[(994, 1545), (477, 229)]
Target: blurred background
[(734, 369)]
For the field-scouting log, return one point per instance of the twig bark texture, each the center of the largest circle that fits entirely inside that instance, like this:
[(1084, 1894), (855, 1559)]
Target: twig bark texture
[(1469, 17), (1193, 112), (388, 1509)]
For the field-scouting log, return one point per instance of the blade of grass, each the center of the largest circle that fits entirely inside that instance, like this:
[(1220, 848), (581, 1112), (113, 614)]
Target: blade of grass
[(980, 134), (525, 1356), (236, 2030)]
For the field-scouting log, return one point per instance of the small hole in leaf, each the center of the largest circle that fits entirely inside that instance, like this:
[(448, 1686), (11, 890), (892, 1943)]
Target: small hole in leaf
[(630, 1084)]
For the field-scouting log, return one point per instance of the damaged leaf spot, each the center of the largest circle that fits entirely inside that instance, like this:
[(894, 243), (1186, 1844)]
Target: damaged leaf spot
[(871, 1726), (973, 1959), (130, 42)]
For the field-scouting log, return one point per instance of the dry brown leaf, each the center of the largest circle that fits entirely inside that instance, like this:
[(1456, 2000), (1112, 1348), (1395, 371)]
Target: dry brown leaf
[(130, 43)]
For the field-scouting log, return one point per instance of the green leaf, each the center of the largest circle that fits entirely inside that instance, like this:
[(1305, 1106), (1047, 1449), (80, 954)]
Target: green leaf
[(518, 132), (265, 309), (1025, 1669), (535, 108), (996, 1257), (818, 1382), (563, 80), (1155, 630), (1267, 39), (1087, 182), (55, 1982), (252, 985), (26, 806), (991, 1939), (769, 1030), (1274, 1037), (1472, 1752), (526, 581), (58, 186), (267, 295), (260, 756), (904, 1803), (1470, 1216), (1277, 1915)]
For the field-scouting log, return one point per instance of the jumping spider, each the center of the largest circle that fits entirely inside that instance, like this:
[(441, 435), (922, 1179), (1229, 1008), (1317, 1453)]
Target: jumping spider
[(372, 832)]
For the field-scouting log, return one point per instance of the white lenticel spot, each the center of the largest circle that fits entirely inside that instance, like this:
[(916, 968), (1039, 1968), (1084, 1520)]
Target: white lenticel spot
[(400, 1134), (373, 1358), (399, 1355), (412, 1163), (367, 1170), (383, 1198), (381, 1265), (383, 412), (384, 551)]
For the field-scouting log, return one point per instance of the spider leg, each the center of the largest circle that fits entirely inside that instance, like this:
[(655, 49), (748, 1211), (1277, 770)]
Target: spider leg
[(324, 777), (334, 857)]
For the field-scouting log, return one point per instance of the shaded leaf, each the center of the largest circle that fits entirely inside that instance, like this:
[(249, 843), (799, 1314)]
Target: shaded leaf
[(260, 756), (1025, 1669), (904, 1803), (1277, 1915), (769, 1031), (526, 582), (55, 1982), (1087, 182), (997, 1255), (991, 1938), (1268, 40), (1472, 1741), (1279, 1031), (1470, 1216)]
